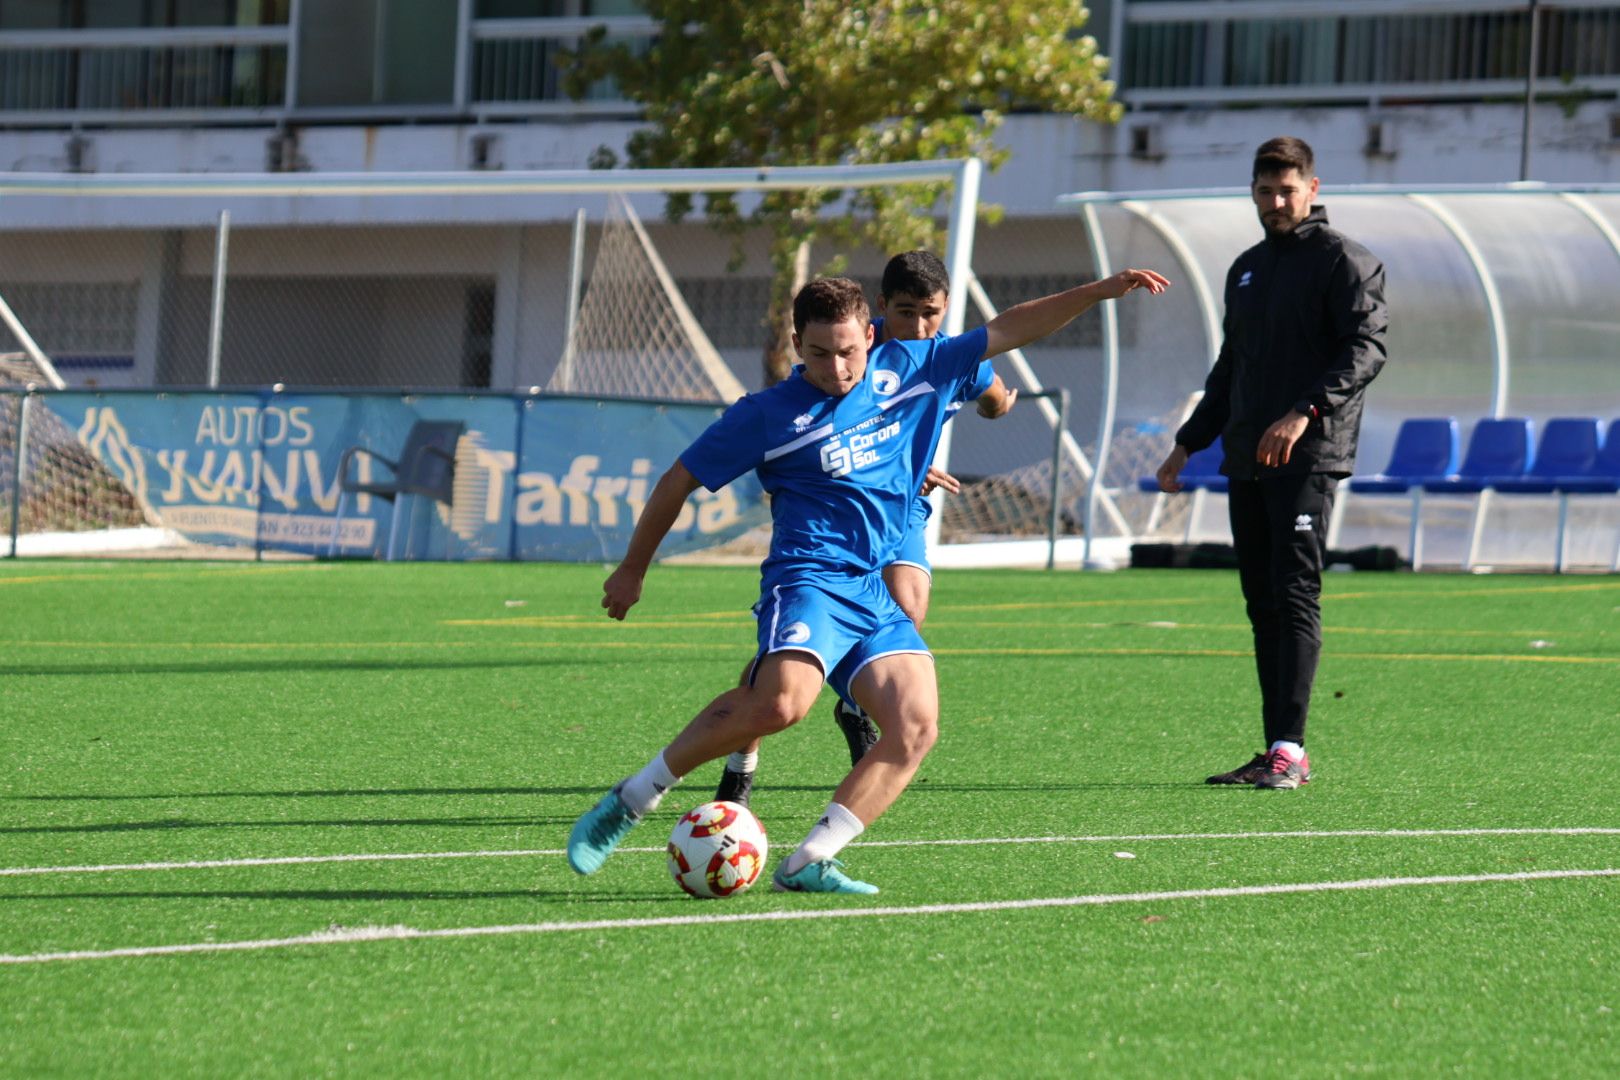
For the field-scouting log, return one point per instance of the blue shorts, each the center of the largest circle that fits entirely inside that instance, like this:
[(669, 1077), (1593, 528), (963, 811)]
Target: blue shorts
[(913, 549), (844, 629)]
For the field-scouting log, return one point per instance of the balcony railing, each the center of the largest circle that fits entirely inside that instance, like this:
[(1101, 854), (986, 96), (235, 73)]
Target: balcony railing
[(515, 68), (1189, 52), (54, 76), (505, 67), (1171, 53)]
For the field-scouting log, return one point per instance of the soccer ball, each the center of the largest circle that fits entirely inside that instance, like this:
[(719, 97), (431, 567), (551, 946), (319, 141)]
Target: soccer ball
[(717, 850)]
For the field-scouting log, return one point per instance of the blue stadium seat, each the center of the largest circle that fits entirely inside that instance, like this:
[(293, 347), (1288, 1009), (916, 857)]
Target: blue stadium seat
[(1564, 463), (1425, 450), (1499, 449), (1564, 459), (1606, 471)]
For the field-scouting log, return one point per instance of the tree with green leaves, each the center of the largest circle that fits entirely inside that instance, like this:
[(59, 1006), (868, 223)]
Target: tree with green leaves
[(825, 82)]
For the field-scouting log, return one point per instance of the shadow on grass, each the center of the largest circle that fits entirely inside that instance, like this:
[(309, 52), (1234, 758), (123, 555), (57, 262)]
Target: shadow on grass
[(336, 793), (179, 824), (663, 897), (697, 790), (295, 665)]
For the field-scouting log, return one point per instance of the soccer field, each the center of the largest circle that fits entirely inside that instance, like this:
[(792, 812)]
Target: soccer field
[(307, 819)]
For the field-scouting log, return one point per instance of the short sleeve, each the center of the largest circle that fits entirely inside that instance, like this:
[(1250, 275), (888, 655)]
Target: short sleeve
[(958, 359), (729, 447), (983, 379)]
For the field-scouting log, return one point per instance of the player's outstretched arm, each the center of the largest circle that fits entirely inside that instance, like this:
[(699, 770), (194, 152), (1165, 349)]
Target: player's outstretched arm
[(622, 589), (1035, 319)]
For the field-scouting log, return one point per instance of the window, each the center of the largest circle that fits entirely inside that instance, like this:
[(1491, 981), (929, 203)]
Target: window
[(377, 52)]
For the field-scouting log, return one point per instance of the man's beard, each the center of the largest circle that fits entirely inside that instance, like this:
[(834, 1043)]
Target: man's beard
[(1278, 224)]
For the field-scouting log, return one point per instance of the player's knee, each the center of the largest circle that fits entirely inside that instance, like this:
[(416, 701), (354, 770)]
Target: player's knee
[(916, 736), (772, 713)]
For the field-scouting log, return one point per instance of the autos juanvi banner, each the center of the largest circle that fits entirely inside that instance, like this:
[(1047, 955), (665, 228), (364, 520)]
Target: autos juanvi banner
[(534, 478)]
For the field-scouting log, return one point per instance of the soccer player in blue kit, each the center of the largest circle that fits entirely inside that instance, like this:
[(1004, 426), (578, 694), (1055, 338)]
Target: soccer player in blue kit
[(912, 297), (842, 446)]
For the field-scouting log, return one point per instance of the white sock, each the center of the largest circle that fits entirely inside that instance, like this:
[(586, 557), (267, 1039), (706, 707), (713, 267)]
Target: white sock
[(836, 828), (740, 762), (1292, 749), (643, 791)]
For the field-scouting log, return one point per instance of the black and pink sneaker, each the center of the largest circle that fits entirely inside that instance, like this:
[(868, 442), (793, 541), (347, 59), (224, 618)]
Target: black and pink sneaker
[(1285, 771)]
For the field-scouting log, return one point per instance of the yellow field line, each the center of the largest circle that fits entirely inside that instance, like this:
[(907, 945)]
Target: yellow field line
[(1421, 594), (1058, 605), (602, 622), (160, 575), (229, 646), (1455, 657), (1244, 628), (1504, 590)]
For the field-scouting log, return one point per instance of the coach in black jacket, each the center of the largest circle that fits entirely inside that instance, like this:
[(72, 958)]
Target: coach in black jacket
[(1304, 335)]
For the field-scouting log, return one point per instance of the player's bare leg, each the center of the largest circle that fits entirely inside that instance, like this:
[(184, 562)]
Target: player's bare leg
[(785, 687), (910, 585), (901, 695)]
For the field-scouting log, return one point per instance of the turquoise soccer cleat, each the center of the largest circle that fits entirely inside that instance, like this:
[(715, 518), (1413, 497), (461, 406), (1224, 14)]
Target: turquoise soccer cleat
[(823, 876), (598, 832)]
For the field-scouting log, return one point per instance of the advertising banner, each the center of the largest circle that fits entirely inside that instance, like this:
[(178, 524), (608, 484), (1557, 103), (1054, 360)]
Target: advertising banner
[(501, 477), (586, 470)]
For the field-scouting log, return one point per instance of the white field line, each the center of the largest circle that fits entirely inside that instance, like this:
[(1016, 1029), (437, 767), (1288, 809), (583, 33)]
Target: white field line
[(349, 936), (412, 856)]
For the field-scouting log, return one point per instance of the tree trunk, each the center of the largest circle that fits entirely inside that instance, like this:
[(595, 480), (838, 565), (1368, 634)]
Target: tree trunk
[(779, 355)]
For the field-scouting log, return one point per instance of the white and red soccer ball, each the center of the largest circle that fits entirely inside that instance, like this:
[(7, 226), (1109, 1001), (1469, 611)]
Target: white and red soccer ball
[(717, 850)]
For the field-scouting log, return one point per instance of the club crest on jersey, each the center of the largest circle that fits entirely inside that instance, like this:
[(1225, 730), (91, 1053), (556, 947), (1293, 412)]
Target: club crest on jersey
[(885, 382), (802, 421), (793, 634)]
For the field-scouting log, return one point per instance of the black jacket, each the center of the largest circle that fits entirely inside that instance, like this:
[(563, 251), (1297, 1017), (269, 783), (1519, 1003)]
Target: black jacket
[(1304, 330)]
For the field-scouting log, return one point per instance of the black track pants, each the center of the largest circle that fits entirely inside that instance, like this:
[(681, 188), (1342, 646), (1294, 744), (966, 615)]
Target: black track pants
[(1279, 529)]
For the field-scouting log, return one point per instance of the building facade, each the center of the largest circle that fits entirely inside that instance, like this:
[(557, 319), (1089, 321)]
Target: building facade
[(1392, 91)]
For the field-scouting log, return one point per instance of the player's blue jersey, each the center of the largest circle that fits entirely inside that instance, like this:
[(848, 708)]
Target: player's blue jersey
[(842, 471), (982, 380)]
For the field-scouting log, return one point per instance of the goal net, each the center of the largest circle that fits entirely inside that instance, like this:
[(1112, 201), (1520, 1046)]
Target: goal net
[(635, 336), (56, 492)]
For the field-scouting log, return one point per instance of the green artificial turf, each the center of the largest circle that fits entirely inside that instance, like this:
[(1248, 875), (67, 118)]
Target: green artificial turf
[(226, 712)]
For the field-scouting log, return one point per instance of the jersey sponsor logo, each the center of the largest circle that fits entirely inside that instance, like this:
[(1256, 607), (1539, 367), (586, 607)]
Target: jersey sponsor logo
[(840, 458), (1302, 523), (802, 421), (793, 634), (1248, 275), (885, 382)]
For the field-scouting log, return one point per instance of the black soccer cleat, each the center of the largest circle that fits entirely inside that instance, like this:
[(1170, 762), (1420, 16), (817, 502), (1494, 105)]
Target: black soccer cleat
[(1243, 774), (734, 787), (859, 732)]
